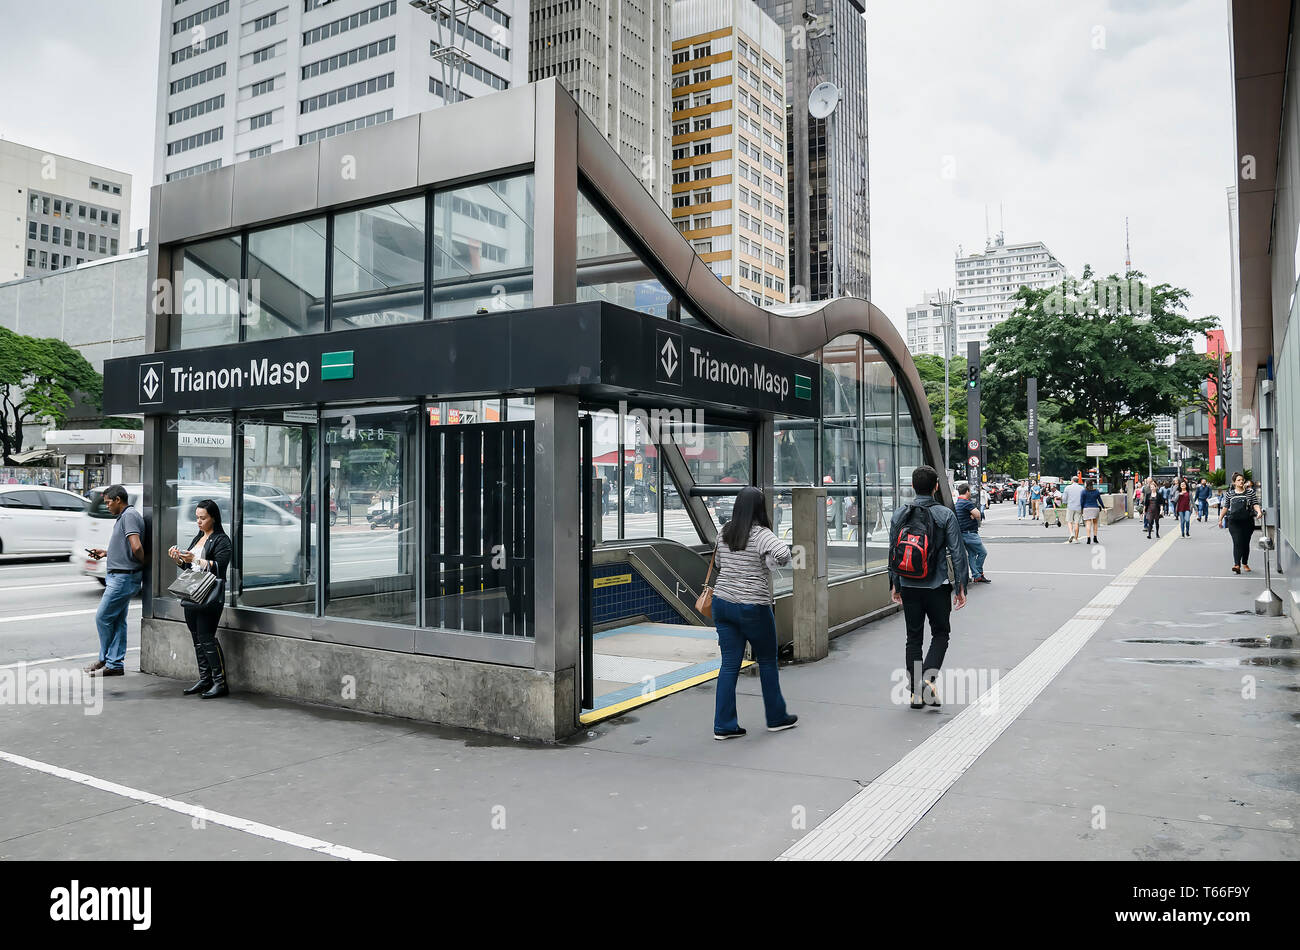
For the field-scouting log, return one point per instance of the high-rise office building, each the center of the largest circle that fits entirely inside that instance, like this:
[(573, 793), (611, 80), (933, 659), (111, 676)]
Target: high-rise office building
[(729, 153), (829, 207), (987, 283), (57, 212), (612, 56), (241, 78)]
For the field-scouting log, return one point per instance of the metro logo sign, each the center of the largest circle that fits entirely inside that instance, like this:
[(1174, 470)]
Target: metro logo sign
[(151, 384)]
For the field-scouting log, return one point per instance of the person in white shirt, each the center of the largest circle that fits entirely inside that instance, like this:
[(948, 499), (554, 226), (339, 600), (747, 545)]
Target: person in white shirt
[(1073, 509)]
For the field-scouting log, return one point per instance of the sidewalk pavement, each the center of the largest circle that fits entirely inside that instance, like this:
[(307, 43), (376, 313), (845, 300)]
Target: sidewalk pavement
[(1166, 736)]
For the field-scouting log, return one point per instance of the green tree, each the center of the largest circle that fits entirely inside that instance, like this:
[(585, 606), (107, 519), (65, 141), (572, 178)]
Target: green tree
[(39, 380), (1109, 361), (930, 369)]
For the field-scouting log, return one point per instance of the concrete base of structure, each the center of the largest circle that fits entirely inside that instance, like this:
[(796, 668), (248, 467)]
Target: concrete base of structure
[(504, 700)]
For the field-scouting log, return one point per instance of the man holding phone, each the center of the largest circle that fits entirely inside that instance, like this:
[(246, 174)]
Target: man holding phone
[(125, 566)]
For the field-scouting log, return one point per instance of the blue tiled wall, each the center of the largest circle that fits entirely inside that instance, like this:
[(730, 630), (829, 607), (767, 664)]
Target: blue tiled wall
[(628, 600)]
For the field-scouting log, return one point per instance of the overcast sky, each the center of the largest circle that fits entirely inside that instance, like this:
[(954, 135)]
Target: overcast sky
[(1069, 114)]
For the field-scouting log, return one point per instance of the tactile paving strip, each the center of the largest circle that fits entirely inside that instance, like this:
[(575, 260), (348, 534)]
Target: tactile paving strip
[(867, 826)]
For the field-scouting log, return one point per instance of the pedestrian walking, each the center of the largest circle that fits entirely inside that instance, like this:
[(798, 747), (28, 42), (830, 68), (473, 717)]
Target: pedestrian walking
[(209, 551), (1073, 509), (1022, 500), (742, 612), (928, 574), (1035, 495), (969, 518), (1183, 508), (1203, 501), (1239, 511), (1091, 504), (126, 559), (1154, 502)]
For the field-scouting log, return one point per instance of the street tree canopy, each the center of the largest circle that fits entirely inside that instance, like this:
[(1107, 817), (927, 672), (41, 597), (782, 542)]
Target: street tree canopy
[(1111, 354), (39, 378)]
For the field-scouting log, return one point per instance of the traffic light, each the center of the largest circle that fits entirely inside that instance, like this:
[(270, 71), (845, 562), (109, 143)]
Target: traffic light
[(973, 376)]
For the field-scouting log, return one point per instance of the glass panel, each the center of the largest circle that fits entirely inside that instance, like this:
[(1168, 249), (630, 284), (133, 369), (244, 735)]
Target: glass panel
[(372, 554), (379, 265), (677, 523), (879, 468), (483, 247), (609, 269), (196, 463), (288, 267), (841, 448), (206, 308), (278, 532)]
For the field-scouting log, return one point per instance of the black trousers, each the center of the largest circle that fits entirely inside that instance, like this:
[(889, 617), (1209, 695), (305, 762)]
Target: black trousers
[(918, 604), (1241, 532), (207, 649)]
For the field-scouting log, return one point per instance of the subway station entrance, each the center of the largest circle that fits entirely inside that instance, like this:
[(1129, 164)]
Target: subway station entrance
[(474, 416)]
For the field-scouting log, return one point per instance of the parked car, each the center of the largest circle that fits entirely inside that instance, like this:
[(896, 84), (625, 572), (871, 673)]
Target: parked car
[(35, 519), (95, 528)]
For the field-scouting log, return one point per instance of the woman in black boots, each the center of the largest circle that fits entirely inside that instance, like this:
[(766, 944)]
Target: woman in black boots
[(209, 551)]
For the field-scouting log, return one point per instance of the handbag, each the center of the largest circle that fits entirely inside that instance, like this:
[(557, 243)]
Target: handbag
[(704, 603), (197, 588)]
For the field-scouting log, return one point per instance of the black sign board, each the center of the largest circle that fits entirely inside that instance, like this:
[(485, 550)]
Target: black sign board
[(596, 350)]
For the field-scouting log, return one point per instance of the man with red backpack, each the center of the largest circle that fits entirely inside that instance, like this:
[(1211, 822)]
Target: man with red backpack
[(928, 574)]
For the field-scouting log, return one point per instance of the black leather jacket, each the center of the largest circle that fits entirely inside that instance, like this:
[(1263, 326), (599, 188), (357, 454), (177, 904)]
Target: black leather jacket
[(218, 550)]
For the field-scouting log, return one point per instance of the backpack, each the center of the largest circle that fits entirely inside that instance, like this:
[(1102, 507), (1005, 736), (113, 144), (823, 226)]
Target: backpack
[(1239, 507), (914, 552)]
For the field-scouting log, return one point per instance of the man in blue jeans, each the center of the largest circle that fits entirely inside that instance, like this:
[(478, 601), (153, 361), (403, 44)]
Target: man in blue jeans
[(125, 555), (1203, 501), (969, 516)]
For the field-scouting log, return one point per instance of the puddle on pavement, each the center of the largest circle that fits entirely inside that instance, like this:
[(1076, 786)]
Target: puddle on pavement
[(1250, 643), (1275, 661)]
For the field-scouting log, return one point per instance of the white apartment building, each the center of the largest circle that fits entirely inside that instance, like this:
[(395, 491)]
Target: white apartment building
[(925, 326), (241, 78), (729, 143), (57, 212), (987, 283), (612, 57)]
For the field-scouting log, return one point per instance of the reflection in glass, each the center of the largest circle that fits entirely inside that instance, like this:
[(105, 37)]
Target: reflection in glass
[(371, 475), (278, 530), (287, 265), (206, 300), (841, 459), (609, 270), (379, 265), (483, 247), (197, 463), (879, 465)]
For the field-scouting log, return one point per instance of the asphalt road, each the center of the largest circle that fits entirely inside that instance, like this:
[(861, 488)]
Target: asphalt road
[(47, 610)]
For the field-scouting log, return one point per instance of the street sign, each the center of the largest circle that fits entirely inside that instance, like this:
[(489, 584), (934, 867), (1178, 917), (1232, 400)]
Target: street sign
[(973, 444), (973, 460), (1098, 450)]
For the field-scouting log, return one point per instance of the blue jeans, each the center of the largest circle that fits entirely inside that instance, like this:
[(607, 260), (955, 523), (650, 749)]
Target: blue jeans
[(110, 618), (738, 623), (1022, 508), (976, 552), (1185, 521)]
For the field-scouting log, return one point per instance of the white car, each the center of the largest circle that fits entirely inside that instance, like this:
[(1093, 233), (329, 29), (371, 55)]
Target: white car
[(35, 519), (95, 529)]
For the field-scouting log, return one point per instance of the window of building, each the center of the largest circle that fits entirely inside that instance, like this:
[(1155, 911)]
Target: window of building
[(379, 255), (291, 260)]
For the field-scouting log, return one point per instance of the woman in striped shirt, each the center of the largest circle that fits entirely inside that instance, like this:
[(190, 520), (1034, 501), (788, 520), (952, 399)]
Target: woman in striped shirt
[(742, 611)]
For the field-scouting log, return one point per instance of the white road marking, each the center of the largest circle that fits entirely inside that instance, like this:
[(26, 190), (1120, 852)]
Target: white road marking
[(1163, 577), (871, 823), (291, 838), (57, 613), (88, 584), (60, 659)]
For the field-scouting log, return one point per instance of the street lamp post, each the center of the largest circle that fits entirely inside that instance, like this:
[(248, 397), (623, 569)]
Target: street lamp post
[(947, 357)]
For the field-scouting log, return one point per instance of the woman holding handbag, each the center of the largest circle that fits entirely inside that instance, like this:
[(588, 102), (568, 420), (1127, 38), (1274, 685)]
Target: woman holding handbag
[(741, 606), (209, 552)]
